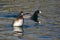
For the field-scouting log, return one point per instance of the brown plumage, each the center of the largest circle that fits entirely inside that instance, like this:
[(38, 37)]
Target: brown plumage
[(17, 25)]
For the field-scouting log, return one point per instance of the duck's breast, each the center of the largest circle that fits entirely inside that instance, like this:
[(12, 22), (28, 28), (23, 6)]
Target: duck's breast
[(18, 22)]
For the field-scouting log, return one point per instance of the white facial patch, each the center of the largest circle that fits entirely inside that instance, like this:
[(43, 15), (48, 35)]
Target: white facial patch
[(39, 22), (40, 12), (18, 22), (21, 13)]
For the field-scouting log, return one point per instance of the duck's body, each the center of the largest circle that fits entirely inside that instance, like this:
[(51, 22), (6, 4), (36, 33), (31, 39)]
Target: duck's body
[(17, 25), (18, 22), (34, 17)]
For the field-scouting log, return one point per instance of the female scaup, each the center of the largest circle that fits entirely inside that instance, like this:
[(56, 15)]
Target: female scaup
[(17, 25)]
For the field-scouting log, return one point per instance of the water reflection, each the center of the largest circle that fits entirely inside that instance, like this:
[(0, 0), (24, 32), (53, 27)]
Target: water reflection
[(31, 29)]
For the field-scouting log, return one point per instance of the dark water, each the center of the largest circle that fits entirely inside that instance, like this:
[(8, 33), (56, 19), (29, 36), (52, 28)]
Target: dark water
[(32, 31)]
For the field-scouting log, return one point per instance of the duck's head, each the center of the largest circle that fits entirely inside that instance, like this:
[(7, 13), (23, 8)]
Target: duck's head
[(37, 11), (20, 16), (21, 13)]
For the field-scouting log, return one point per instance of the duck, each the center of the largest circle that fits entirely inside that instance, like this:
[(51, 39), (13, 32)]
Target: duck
[(34, 16), (17, 25)]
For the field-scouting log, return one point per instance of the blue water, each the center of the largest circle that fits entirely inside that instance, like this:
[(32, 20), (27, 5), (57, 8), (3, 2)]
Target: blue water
[(48, 31), (9, 14)]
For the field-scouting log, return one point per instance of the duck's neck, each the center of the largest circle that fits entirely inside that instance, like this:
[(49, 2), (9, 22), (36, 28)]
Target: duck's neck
[(20, 17)]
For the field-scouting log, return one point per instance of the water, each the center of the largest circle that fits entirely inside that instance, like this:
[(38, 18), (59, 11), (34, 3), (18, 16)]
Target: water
[(32, 31), (49, 29)]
